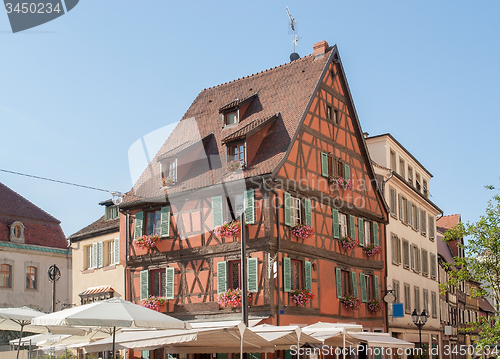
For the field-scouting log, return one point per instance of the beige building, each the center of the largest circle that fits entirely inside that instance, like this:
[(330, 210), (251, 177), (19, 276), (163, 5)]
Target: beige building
[(412, 266), (98, 267), (31, 241)]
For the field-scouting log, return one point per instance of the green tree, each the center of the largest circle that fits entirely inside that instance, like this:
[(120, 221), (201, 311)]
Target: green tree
[(481, 263)]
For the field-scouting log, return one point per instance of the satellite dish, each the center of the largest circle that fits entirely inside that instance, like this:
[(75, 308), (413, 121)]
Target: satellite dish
[(294, 56)]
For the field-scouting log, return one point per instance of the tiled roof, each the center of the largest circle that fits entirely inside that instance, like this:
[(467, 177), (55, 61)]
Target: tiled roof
[(485, 306), (96, 290), (237, 103), (15, 205), (447, 222), (286, 89), (96, 228), (444, 249), (255, 125)]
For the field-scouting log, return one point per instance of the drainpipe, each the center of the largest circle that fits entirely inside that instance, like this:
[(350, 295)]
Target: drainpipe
[(387, 180), (127, 237), (386, 259), (276, 207)]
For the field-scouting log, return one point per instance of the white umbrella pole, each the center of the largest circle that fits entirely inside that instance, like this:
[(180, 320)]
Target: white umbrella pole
[(343, 343), (20, 338)]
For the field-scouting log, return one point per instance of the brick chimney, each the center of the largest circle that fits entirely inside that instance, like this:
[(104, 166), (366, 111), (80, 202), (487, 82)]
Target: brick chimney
[(320, 49)]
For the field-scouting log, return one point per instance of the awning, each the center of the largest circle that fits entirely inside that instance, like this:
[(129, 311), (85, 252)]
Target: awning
[(380, 340)]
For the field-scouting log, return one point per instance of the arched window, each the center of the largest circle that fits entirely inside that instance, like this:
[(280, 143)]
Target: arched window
[(30, 277), (5, 276)]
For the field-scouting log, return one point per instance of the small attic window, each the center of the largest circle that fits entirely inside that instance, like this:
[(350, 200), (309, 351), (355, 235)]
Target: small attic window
[(231, 118), (111, 212)]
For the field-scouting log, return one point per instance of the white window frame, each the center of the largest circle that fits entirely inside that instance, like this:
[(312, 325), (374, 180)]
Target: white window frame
[(295, 211)]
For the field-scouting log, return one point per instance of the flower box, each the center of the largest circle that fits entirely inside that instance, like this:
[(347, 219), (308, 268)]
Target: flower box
[(228, 229), (232, 298), (348, 242), (302, 231), (145, 241), (339, 181), (372, 249), (351, 302), (374, 305), (233, 166), (301, 297), (167, 181), (154, 303)]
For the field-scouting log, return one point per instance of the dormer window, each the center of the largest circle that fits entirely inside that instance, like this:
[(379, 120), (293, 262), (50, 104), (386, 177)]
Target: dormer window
[(231, 118), (111, 212), (237, 152), (168, 171)]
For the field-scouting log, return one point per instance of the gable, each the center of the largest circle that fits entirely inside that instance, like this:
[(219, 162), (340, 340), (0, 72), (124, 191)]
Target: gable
[(340, 139)]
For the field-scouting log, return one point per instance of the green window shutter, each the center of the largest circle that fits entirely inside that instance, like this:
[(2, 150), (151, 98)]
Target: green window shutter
[(361, 232), (217, 218), (254, 355), (347, 174), (287, 274), (308, 275), (144, 279), (336, 228), (94, 255), (354, 284), (324, 164), (338, 279), (145, 354), (169, 283), (100, 249), (165, 221), (375, 285), (249, 203), (116, 252), (221, 277), (362, 283), (288, 354), (222, 356), (288, 209), (375, 233), (308, 211), (353, 226), (253, 276), (139, 216)]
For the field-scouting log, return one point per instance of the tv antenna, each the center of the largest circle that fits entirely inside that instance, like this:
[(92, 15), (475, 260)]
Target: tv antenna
[(293, 27)]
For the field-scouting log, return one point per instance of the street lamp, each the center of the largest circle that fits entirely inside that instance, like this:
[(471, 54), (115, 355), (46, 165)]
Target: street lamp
[(419, 321)]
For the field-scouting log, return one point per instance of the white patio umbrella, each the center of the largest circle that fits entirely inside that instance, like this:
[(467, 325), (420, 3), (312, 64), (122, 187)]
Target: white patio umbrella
[(283, 337), (18, 319), (111, 313), (218, 339)]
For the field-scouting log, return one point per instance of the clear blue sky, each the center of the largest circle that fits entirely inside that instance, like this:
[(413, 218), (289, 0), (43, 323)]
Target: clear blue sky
[(77, 92)]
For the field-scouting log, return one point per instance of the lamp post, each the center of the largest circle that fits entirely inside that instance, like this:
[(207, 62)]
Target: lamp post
[(419, 321)]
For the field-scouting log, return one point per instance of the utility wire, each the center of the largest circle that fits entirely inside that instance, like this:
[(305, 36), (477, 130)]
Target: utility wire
[(53, 180)]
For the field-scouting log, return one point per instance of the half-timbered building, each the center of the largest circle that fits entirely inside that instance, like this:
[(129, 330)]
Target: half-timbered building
[(285, 147)]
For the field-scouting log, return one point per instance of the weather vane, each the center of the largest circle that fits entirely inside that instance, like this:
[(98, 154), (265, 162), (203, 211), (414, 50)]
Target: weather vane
[(295, 40)]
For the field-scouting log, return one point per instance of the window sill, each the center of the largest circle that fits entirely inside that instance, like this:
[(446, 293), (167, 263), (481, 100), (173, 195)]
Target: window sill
[(231, 125), (110, 267), (32, 290), (89, 270)]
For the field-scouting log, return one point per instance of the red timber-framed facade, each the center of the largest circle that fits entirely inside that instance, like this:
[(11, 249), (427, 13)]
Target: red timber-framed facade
[(269, 144)]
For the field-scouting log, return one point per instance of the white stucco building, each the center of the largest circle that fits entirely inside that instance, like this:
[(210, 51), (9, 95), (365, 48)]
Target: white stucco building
[(31, 241), (412, 267)]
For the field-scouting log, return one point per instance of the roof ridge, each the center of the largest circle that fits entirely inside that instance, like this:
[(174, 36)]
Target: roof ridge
[(260, 72)]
